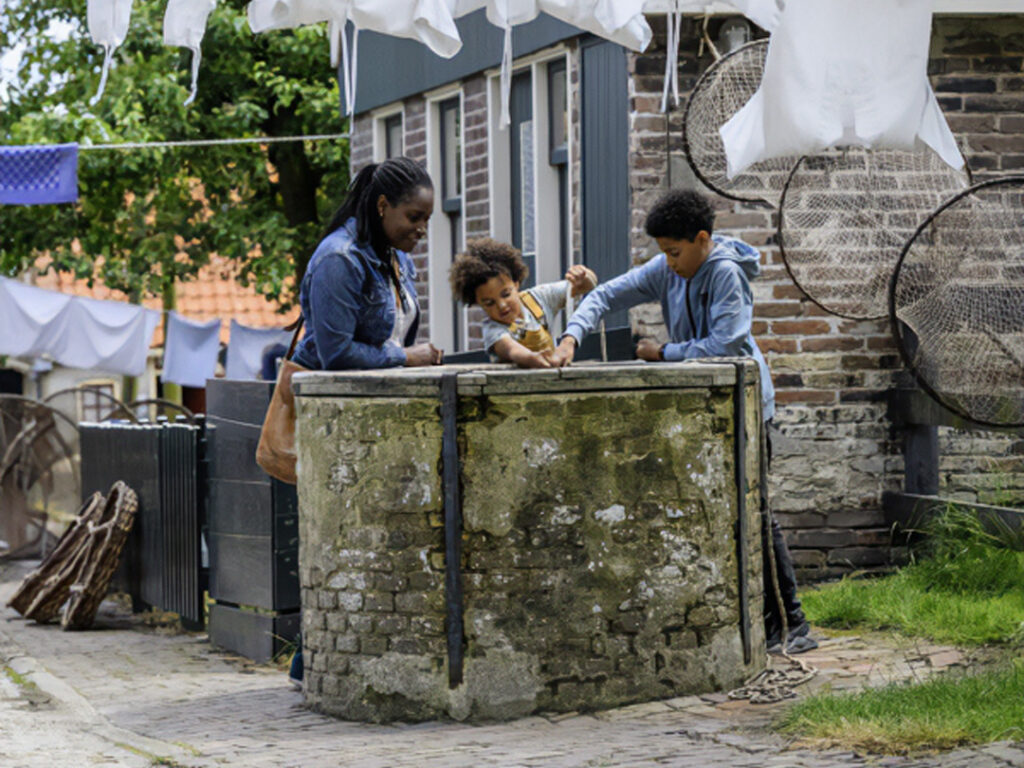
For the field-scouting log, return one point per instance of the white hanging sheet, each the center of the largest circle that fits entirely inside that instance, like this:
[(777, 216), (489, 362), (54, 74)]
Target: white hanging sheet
[(841, 73), (184, 25), (247, 346), (108, 26), (75, 331), (190, 351), (429, 21), (621, 21), (764, 13)]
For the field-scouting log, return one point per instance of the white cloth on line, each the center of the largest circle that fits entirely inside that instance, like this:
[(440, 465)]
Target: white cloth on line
[(621, 21), (842, 73), (429, 21), (185, 25), (108, 26), (75, 331), (764, 13), (190, 351), (246, 347)]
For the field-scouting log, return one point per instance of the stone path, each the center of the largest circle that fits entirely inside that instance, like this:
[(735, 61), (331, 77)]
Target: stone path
[(127, 695)]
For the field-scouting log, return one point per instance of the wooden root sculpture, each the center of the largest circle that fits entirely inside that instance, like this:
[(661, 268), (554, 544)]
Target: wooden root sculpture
[(82, 564), (105, 547)]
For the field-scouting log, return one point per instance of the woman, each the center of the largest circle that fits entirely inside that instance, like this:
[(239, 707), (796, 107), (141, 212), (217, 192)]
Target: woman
[(358, 295)]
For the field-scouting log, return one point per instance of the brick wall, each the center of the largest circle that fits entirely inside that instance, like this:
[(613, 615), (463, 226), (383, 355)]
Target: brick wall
[(836, 451)]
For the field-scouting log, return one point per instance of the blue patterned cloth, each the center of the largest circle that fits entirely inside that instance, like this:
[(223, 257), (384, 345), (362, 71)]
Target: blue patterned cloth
[(39, 175)]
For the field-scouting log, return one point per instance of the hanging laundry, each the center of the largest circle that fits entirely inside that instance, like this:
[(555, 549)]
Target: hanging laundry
[(247, 347), (428, 21), (39, 175), (108, 26), (190, 351), (74, 331), (621, 21), (842, 73), (184, 25)]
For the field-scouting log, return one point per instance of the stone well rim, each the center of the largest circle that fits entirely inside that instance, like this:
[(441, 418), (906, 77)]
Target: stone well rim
[(493, 378)]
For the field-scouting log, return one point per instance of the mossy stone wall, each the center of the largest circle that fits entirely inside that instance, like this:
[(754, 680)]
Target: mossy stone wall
[(599, 549)]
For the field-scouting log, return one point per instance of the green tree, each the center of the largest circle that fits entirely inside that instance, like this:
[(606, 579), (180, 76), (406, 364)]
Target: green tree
[(149, 218)]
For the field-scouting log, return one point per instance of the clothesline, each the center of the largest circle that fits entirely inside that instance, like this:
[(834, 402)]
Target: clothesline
[(212, 142)]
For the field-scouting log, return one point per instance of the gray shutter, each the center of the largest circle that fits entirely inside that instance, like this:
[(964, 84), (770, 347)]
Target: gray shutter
[(605, 163)]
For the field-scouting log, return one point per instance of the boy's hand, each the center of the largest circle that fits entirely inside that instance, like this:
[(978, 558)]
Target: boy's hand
[(649, 350), (564, 353), (581, 279)]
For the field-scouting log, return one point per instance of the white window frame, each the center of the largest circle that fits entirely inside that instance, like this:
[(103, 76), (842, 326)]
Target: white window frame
[(439, 236), (380, 138), (546, 226), (115, 386)]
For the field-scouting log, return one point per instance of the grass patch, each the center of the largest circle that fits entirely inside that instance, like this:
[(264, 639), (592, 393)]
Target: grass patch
[(964, 586), (899, 602), (946, 712)]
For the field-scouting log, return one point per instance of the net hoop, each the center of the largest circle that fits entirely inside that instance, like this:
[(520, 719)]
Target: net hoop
[(699, 89), (898, 328), (788, 260)]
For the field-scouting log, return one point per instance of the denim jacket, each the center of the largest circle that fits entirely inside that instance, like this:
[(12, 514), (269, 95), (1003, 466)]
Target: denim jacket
[(708, 315), (348, 303)]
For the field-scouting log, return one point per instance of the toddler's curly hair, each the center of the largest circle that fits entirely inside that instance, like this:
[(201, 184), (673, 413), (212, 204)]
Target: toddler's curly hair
[(483, 259)]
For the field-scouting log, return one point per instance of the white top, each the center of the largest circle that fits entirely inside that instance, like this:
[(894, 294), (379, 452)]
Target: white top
[(842, 73), (405, 316)]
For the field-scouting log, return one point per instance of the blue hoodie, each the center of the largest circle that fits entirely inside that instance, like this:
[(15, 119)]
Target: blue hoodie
[(708, 315)]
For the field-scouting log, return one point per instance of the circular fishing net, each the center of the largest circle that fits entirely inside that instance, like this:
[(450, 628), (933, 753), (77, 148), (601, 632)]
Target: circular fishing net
[(957, 303), (719, 94), (845, 215)]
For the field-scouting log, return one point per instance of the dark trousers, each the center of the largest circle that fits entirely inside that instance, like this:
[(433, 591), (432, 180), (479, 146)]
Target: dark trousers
[(774, 541)]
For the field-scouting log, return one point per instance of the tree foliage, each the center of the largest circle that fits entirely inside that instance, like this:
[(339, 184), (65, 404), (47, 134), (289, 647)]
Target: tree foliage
[(147, 218)]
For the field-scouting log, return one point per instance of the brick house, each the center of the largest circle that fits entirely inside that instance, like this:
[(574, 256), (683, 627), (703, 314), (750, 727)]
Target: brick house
[(571, 178)]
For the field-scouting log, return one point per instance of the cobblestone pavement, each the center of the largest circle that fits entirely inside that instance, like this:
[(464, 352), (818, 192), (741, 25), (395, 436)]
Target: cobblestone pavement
[(123, 694)]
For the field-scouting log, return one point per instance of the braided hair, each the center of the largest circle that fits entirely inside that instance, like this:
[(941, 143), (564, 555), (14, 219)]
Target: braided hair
[(396, 178)]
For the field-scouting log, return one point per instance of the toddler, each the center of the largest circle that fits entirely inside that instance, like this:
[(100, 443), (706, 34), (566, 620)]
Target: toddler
[(517, 328)]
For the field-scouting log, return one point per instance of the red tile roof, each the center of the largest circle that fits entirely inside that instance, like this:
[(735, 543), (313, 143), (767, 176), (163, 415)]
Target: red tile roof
[(214, 294)]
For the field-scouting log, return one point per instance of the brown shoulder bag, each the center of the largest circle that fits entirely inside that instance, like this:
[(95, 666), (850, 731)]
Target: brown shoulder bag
[(276, 450)]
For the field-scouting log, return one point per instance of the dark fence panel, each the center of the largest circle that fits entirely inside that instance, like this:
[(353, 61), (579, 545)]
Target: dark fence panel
[(164, 464), (254, 529)]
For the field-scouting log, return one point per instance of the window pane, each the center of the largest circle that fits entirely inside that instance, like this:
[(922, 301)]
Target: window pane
[(393, 136), (558, 106), (527, 189), (451, 133)]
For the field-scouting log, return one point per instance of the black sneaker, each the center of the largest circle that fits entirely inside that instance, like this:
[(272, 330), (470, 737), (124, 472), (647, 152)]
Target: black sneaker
[(797, 641)]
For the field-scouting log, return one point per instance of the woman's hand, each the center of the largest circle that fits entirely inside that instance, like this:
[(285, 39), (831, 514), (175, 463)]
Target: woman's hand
[(649, 350), (423, 354), (581, 279)]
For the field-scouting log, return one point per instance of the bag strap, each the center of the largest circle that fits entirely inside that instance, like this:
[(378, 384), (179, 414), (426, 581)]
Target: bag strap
[(532, 304), (295, 338)]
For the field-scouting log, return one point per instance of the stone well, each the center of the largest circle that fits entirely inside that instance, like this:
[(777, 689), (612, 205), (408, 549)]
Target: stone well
[(598, 552)]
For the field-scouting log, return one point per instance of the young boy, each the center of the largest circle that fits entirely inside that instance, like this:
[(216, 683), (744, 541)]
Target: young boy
[(517, 328), (703, 284)]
